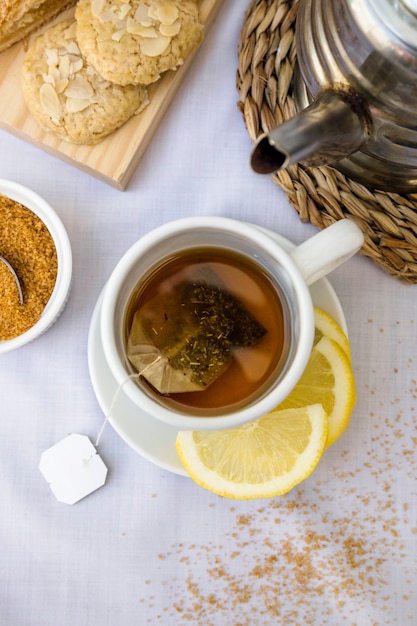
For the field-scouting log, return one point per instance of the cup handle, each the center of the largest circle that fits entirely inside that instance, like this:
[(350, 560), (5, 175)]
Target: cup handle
[(324, 252)]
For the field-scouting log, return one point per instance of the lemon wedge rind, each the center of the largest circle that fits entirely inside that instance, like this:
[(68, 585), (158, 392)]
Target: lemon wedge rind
[(326, 326), (263, 459), (328, 379)]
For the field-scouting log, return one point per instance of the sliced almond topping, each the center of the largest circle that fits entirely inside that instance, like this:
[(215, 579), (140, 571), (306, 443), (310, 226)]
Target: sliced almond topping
[(72, 47), (77, 63), (118, 34), (141, 15), (50, 102), (170, 30), (164, 11), (107, 16), (61, 85), (136, 28), (47, 78), (97, 7), (71, 31), (51, 56), (155, 47), (124, 10), (54, 73), (74, 105), (64, 66), (79, 88)]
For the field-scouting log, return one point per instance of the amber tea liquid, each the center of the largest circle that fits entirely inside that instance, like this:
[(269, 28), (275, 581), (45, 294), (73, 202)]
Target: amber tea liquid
[(252, 369)]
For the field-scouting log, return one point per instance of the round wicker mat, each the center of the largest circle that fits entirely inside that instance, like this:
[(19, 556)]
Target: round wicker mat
[(320, 195)]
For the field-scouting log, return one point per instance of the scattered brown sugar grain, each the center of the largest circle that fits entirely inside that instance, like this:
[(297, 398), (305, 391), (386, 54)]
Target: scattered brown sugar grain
[(26, 243), (338, 550)]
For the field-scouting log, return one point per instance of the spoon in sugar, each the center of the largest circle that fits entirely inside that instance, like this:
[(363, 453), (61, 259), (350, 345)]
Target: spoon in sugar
[(16, 278)]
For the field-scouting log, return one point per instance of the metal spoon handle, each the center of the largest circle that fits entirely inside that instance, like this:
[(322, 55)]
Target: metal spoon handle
[(16, 278)]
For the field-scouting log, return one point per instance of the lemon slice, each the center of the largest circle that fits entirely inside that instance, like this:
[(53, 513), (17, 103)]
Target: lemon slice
[(265, 458), (326, 326), (328, 379)]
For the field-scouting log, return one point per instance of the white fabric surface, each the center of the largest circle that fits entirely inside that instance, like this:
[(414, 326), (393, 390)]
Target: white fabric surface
[(151, 547)]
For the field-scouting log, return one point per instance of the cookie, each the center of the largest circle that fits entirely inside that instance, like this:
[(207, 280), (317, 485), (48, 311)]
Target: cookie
[(67, 96), (19, 18), (135, 41)]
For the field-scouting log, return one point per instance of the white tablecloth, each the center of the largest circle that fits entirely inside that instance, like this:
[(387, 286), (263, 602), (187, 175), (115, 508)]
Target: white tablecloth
[(151, 547)]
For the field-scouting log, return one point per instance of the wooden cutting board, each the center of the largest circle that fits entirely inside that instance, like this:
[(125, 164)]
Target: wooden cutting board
[(115, 158)]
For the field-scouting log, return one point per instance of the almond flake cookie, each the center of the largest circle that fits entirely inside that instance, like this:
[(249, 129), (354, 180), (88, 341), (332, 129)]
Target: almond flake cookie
[(135, 41), (20, 18), (66, 95)]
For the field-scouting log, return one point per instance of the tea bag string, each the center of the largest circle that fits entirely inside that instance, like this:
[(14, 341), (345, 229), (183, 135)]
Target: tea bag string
[(111, 407), (72, 467)]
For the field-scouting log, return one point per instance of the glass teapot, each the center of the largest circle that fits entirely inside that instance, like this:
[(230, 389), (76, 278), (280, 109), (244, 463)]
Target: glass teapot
[(355, 89)]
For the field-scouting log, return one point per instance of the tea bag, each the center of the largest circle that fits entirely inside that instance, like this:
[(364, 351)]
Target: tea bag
[(183, 339)]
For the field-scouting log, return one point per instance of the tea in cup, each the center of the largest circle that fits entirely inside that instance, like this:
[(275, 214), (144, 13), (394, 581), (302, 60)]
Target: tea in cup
[(208, 322)]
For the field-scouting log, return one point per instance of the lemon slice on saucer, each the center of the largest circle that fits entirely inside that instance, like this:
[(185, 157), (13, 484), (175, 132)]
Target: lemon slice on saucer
[(265, 458), (326, 326), (328, 379)]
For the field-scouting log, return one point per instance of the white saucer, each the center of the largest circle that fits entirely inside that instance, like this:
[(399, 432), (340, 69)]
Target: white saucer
[(151, 438)]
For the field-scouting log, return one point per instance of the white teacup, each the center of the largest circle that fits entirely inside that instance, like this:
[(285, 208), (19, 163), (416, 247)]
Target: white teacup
[(291, 272)]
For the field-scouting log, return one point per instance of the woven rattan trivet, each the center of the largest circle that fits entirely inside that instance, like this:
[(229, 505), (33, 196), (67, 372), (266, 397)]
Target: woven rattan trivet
[(320, 195)]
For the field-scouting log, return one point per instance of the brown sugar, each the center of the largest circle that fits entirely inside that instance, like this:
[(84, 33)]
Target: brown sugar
[(339, 549), (26, 243)]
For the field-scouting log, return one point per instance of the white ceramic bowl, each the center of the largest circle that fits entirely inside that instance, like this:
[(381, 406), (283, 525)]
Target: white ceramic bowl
[(60, 294)]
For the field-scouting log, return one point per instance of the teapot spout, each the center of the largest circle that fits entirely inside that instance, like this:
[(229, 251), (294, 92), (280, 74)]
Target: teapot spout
[(328, 130)]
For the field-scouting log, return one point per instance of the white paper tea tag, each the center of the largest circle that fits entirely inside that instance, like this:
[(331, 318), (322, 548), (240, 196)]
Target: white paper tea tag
[(73, 468)]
